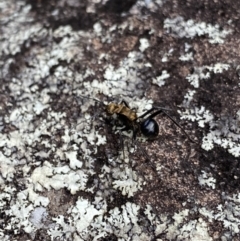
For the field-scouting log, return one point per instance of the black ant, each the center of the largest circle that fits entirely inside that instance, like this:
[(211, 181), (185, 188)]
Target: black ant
[(144, 124), (147, 126)]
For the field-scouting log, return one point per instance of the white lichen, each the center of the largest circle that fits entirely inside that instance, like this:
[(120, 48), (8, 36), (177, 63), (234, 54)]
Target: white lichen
[(49, 177), (206, 179), (160, 80), (203, 73), (201, 115), (186, 57), (38, 217), (128, 183), (144, 44), (191, 29)]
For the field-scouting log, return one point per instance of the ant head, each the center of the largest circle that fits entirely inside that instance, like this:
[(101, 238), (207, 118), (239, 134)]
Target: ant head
[(149, 128)]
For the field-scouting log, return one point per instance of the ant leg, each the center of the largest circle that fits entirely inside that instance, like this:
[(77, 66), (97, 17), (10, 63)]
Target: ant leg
[(135, 131), (135, 141), (147, 162), (122, 144), (143, 151), (175, 122), (146, 113), (125, 103), (152, 109)]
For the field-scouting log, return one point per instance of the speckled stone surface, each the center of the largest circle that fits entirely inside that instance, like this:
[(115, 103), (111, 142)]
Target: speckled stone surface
[(67, 170)]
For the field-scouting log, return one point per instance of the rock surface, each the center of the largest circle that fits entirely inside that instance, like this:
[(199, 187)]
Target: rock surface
[(67, 171)]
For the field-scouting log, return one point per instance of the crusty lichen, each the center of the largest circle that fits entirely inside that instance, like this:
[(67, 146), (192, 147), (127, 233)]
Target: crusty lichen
[(191, 29), (53, 139)]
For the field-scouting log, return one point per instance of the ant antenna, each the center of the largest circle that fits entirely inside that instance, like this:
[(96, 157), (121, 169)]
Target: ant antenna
[(87, 97)]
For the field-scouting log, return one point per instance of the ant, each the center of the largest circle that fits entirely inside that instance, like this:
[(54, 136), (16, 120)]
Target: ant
[(147, 126), (144, 124)]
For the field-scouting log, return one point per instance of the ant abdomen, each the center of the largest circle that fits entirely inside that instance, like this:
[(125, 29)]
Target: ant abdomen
[(149, 128)]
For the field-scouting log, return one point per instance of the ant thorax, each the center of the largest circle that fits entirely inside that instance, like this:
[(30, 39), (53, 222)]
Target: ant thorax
[(122, 110)]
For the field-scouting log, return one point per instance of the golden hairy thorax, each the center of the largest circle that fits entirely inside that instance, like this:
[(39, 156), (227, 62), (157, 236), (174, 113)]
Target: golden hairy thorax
[(113, 108)]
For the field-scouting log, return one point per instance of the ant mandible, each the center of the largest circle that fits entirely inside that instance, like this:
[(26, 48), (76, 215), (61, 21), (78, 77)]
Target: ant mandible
[(147, 126)]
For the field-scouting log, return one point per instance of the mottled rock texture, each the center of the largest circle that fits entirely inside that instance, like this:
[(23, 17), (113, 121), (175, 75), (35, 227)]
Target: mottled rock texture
[(67, 171)]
